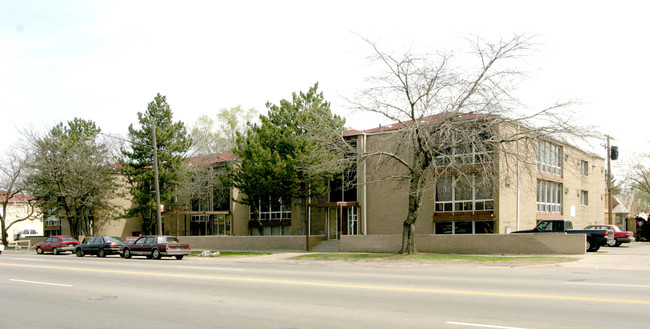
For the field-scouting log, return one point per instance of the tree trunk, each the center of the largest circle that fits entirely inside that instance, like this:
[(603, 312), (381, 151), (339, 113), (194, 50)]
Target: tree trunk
[(415, 199), (3, 231), (408, 241)]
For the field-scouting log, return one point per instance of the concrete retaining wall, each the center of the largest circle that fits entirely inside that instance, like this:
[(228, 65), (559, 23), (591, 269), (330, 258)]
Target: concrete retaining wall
[(534, 244), (251, 243)]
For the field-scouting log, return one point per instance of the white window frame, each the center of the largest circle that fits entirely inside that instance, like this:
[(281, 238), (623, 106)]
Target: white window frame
[(549, 158), (549, 197), (460, 205)]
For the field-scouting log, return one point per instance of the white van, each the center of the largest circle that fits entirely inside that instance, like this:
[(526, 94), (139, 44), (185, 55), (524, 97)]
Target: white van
[(26, 232)]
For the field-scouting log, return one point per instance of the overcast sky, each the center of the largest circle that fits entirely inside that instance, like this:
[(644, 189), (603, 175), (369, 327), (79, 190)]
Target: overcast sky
[(105, 60)]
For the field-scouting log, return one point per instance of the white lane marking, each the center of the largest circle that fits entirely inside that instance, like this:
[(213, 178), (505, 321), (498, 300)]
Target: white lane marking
[(609, 284), (45, 283), (212, 268), (40, 260), (480, 325)]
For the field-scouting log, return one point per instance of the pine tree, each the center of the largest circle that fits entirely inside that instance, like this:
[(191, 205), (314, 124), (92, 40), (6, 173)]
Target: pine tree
[(172, 144)]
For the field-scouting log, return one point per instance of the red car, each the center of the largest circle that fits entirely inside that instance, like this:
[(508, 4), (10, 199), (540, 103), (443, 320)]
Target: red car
[(620, 237), (56, 244), (155, 246)]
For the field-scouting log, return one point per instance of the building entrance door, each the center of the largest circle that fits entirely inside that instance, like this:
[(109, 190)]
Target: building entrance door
[(333, 232), (345, 221)]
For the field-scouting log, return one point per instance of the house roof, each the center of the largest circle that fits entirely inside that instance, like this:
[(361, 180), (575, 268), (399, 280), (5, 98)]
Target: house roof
[(19, 197), (624, 204), (212, 158)]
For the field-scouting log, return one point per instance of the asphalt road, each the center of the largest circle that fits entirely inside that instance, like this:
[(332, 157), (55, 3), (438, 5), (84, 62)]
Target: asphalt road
[(47, 291)]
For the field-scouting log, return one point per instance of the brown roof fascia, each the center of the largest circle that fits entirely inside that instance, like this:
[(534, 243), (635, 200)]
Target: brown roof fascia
[(425, 120)]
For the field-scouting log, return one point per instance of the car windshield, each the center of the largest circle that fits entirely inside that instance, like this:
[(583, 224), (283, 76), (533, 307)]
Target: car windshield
[(113, 239), (167, 239), (67, 238)]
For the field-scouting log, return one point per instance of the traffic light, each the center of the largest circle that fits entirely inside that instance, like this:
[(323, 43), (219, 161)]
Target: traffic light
[(613, 153)]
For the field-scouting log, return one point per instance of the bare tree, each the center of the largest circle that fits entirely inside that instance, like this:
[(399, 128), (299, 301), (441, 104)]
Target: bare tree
[(638, 180), (13, 168), (213, 136), (455, 123)]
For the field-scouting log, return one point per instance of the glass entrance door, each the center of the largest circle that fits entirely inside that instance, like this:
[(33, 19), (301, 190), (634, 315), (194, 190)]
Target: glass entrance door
[(352, 221), (344, 221), (333, 232)]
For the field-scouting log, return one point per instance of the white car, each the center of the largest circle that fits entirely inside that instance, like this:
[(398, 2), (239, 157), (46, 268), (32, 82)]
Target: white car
[(2, 247)]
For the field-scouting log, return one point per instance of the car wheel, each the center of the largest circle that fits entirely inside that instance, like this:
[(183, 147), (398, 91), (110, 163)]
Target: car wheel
[(179, 257), (55, 251), (155, 254), (127, 253), (588, 245), (611, 243), (39, 250), (79, 252), (101, 252)]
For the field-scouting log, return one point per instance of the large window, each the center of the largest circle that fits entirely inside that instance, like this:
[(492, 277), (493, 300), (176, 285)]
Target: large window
[(549, 158), (467, 151), (272, 210), (549, 196), (344, 187), (273, 218), (465, 194), (210, 225)]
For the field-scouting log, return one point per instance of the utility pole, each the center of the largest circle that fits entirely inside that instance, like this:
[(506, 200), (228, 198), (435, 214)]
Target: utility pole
[(156, 183), (609, 182)]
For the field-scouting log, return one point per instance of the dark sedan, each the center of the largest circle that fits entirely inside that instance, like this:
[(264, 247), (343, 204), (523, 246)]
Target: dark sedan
[(100, 246), (156, 247)]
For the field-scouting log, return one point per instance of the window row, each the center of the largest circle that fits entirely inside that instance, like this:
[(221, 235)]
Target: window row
[(271, 210), (464, 227)]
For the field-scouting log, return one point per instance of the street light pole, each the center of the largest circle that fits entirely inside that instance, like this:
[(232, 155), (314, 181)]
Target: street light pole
[(156, 183)]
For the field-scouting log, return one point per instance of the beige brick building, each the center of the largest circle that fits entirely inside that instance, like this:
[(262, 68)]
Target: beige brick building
[(551, 180), (558, 182)]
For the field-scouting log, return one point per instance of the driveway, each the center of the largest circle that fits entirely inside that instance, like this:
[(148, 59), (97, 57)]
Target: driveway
[(629, 256)]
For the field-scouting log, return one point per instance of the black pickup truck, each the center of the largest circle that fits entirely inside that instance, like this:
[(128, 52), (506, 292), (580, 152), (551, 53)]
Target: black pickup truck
[(595, 238)]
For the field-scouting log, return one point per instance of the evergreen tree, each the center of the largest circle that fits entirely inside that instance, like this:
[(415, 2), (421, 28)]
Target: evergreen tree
[(172, 143), (282, 158)]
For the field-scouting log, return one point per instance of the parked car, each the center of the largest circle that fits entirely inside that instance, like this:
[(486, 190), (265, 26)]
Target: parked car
[(155, 246), (25, 233), (620, 236), (2, 247), (595, 238), (99, 245), (56, 244)]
